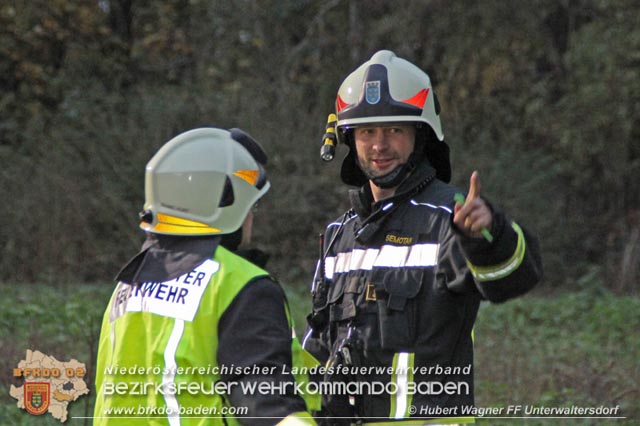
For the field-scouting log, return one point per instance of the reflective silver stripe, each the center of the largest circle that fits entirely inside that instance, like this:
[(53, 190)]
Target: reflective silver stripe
[(329, 267), (306, 337), (419, 255), (392, 256), (445, 208), (170, 368), (423, 255)]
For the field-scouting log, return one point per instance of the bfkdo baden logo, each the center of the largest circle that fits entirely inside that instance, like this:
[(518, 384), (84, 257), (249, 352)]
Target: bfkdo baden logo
[(49, 385), (36, 397)]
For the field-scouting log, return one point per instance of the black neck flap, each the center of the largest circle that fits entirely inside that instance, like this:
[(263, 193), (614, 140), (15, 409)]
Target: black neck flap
[(375, 217), (166, 257)]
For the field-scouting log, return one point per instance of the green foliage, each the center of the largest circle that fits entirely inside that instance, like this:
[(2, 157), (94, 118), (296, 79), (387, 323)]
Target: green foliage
[(541, 97), (577, 349), (62, 321), (562, 350)]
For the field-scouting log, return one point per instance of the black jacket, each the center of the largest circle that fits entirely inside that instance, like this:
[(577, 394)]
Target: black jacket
[(396, 290)]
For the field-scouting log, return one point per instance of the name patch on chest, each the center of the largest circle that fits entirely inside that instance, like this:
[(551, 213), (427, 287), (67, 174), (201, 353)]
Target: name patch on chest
[(178, 298), (390, 238)]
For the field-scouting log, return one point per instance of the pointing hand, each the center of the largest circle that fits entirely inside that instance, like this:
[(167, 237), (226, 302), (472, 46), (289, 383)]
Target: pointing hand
[(472, 215)]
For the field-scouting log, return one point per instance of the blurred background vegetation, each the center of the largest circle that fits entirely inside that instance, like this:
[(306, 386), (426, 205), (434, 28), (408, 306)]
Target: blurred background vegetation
[(542, 97)]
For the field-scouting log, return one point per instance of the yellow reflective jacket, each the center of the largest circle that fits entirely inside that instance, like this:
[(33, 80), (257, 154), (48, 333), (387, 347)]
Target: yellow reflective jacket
[(157, 358)]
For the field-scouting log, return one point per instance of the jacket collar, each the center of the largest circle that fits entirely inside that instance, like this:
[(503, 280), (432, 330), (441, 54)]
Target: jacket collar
[(373, 216), (362, 198), (165, 257)]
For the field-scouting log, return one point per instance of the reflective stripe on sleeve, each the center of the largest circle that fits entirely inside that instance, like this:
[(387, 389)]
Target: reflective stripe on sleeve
[(496, 272)]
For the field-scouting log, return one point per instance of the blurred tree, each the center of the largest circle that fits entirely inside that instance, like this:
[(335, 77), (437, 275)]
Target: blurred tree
[(540, 97)]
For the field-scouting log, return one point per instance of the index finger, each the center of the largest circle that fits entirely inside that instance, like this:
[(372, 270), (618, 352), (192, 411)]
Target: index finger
[(474, 186)]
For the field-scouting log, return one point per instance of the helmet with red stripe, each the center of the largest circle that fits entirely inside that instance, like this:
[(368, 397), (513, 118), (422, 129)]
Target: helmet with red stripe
[(388, 89)]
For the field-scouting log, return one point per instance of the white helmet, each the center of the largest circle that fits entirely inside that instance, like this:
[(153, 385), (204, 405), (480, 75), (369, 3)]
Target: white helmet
[(203, 182), (388, 89)]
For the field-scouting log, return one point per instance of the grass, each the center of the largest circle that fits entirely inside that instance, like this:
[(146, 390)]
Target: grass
[(575, 349), (63, 322)]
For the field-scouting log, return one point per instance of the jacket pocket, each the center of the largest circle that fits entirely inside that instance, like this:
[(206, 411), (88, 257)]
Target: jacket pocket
[(341, 299), (397, 290)]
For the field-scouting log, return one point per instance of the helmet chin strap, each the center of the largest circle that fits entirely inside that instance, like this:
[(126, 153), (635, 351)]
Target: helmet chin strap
[(394, 177), (397, 175)]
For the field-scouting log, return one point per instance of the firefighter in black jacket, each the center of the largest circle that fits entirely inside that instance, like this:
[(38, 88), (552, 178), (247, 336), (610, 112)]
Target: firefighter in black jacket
[(402, 274)]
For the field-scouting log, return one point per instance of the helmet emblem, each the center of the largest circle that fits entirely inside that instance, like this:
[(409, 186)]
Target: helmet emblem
[(372, 92)]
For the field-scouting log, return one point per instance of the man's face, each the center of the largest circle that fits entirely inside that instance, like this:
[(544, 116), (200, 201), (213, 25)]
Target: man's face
[(382, 148)]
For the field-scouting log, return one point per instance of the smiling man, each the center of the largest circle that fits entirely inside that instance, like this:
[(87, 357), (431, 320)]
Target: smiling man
[(397, 289), (382, 150)]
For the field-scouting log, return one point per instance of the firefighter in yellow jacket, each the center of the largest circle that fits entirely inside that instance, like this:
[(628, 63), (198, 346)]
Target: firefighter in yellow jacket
[(196, 332)]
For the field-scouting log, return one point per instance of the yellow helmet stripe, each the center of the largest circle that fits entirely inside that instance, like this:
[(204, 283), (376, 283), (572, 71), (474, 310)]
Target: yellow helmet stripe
[(175, 225), (184, 230), (172, 220)]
